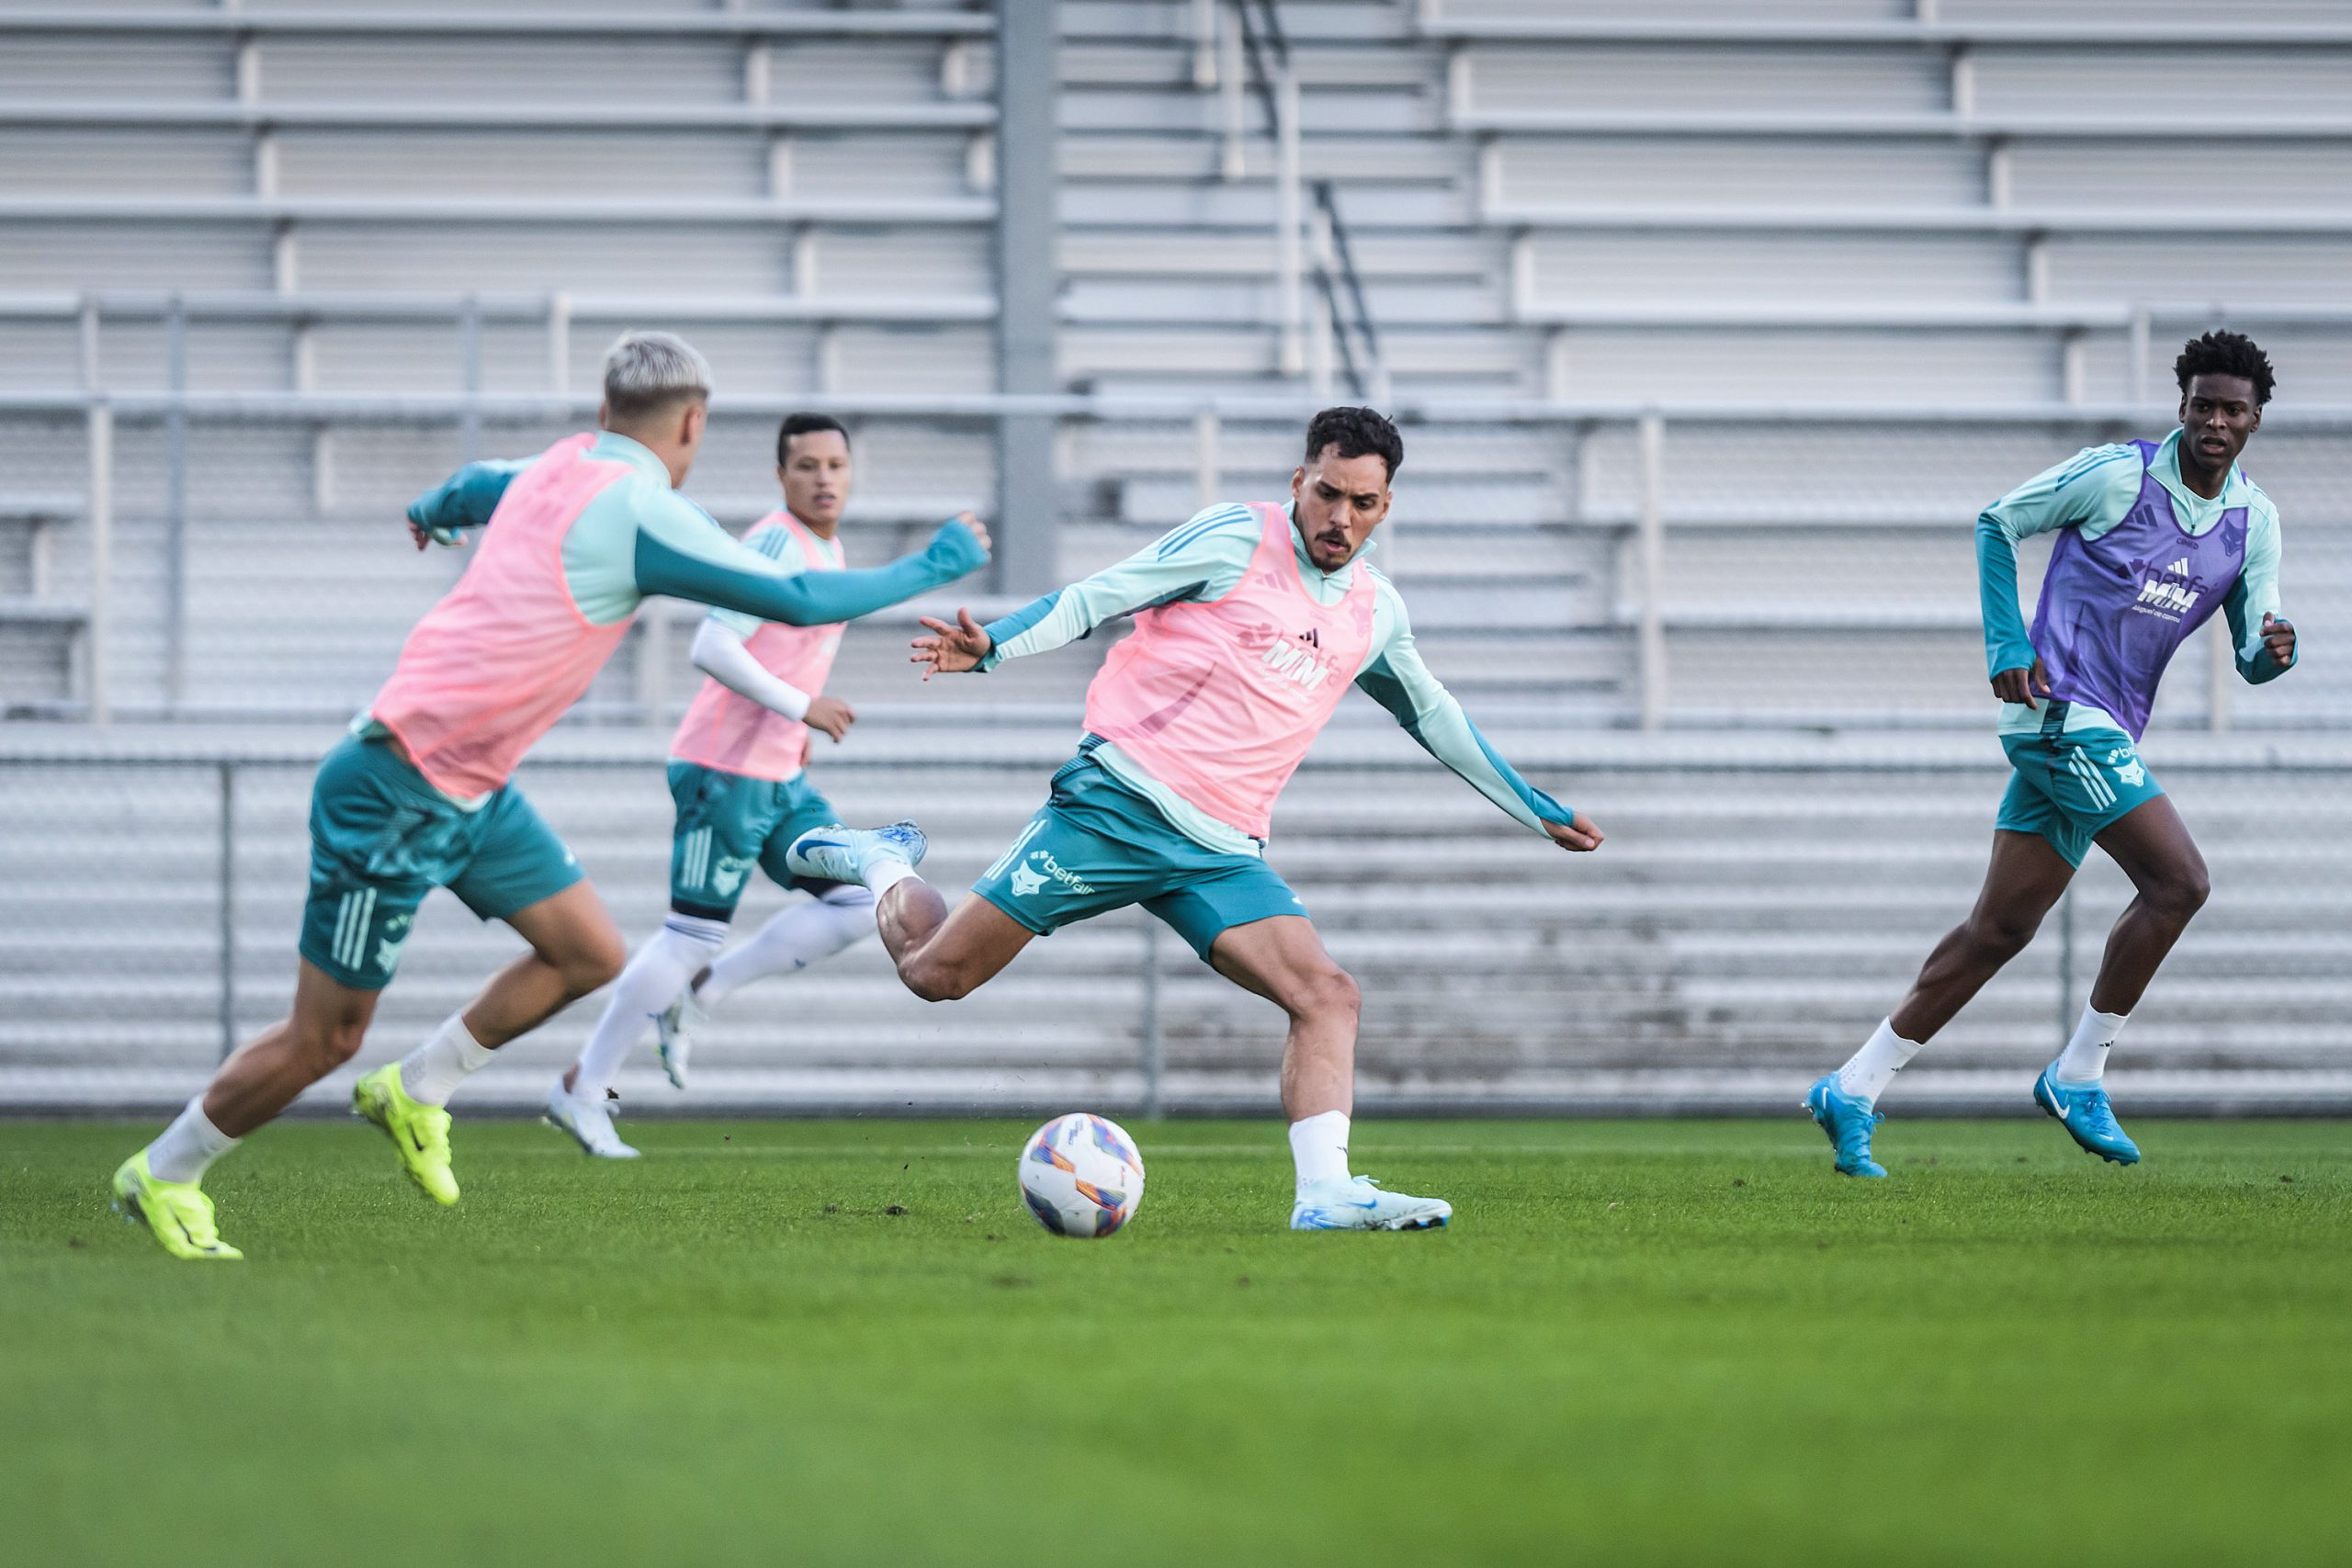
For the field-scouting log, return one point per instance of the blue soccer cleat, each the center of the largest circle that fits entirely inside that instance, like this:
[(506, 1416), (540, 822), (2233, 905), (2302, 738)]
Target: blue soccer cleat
[(1847, 1119), (1359, 1203), (840, 854), (2083, 1110)]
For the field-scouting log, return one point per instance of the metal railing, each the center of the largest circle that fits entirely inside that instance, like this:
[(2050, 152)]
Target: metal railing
[(1240, 48), (214, 855), (1646, 606)]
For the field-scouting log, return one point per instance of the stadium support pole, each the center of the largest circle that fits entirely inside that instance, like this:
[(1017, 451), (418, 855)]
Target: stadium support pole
[(1288, 215), (1651, 548), (101, 522), (1150, 1042), (1026, 177), (175, 505), (228, 911), (2221, 667), (2066, 967), (1208, 466)]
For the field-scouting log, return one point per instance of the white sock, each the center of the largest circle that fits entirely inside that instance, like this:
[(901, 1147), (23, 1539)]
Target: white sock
[(791, 941), (187, 1148), (431, 1073), (1874, 1065), (883, 872), (1319, 1145), (2084, 1059), (651, 983)]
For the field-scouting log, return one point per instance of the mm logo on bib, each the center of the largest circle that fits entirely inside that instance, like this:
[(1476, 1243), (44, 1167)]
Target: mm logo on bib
[(1300, 657)]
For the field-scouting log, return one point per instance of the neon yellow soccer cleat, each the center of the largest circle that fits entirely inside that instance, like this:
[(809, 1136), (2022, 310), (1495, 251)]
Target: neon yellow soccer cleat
[(177, 1212), (421, 1132)]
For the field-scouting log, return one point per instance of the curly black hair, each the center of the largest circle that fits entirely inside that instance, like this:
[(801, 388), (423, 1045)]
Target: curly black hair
[(2225, 354), (1357, 433), (804, 425)]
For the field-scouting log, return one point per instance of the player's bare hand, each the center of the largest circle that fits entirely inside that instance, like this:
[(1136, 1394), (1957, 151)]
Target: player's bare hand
[(2022, 685), (1580, 834), (950, 650), (979, 529), (830, 714), (423, 536), (2278, 637)]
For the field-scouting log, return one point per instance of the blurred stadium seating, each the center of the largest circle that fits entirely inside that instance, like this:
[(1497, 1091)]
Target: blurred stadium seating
[(1867, 261)]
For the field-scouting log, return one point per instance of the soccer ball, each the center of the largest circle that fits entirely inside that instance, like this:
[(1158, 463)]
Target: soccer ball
[(1081, 1176)]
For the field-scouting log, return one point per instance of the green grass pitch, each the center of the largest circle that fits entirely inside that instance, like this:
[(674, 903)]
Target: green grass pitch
[(845, 1342)]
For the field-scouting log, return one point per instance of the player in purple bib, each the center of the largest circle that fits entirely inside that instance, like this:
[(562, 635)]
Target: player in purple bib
[(2154, 538)]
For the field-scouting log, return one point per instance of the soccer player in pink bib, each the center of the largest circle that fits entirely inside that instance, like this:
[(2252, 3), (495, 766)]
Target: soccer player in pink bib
[(1251, 622), (738, 771), (419, 794)]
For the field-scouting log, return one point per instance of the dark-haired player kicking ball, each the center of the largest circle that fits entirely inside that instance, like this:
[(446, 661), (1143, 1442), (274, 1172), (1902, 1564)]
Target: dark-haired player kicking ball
[(1250, 623), (2157, 537)]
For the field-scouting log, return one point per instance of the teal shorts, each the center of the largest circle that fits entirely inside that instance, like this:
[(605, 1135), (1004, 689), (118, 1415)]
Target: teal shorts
[(1099, 846), (381, 839), (2068, 788), (728, 823)]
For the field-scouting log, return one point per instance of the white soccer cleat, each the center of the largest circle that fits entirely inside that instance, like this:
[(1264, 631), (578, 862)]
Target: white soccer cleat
[(677, 1028), (839, 854), (1360, 1205), (590, 1121)]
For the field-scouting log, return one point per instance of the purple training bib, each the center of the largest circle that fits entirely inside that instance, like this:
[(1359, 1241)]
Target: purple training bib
[(2114, 609)]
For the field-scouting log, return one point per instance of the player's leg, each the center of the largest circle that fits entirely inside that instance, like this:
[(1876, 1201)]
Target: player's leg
[(840, 915), (1056, 871), (376, 848), (946, 955), (580, 1101), (721, 822), (162, 1183), (575, 948), (2170, 884), (1282, 958), (515, 869), (2153, 846), (2022, 884), (837, 917), (2027, 875)]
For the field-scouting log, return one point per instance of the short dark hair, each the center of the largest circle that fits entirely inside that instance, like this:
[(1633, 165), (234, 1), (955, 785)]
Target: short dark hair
[(2225, 354), (1357, 433), (804, 425)]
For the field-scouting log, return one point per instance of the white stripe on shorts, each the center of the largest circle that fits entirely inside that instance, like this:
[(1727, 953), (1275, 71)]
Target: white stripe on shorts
[(1013, 852)]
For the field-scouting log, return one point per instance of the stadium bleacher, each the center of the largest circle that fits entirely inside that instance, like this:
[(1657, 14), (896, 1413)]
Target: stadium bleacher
[(1873, 261)]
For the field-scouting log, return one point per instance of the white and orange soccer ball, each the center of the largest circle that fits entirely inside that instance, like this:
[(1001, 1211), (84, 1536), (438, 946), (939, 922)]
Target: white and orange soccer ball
[(1082, 1175)]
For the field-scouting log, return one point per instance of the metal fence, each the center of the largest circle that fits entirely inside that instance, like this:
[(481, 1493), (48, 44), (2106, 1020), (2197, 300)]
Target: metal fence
[(1759, 906), (1661, 548)]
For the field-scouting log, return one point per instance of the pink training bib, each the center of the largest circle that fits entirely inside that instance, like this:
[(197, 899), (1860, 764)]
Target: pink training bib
[(729, 731), (495, 664), (1220, 701)]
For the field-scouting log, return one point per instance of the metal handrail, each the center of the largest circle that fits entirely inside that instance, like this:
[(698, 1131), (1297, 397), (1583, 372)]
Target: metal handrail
[(1169, 407), (1631, 27), (447, 21), (1367, 381), (501, 305)]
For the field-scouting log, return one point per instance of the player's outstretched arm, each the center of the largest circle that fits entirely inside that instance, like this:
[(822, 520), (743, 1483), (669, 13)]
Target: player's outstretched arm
[(719, 652), (944, 649), (1398, 680), (1201, 559), (681, 553), (464, 499)]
